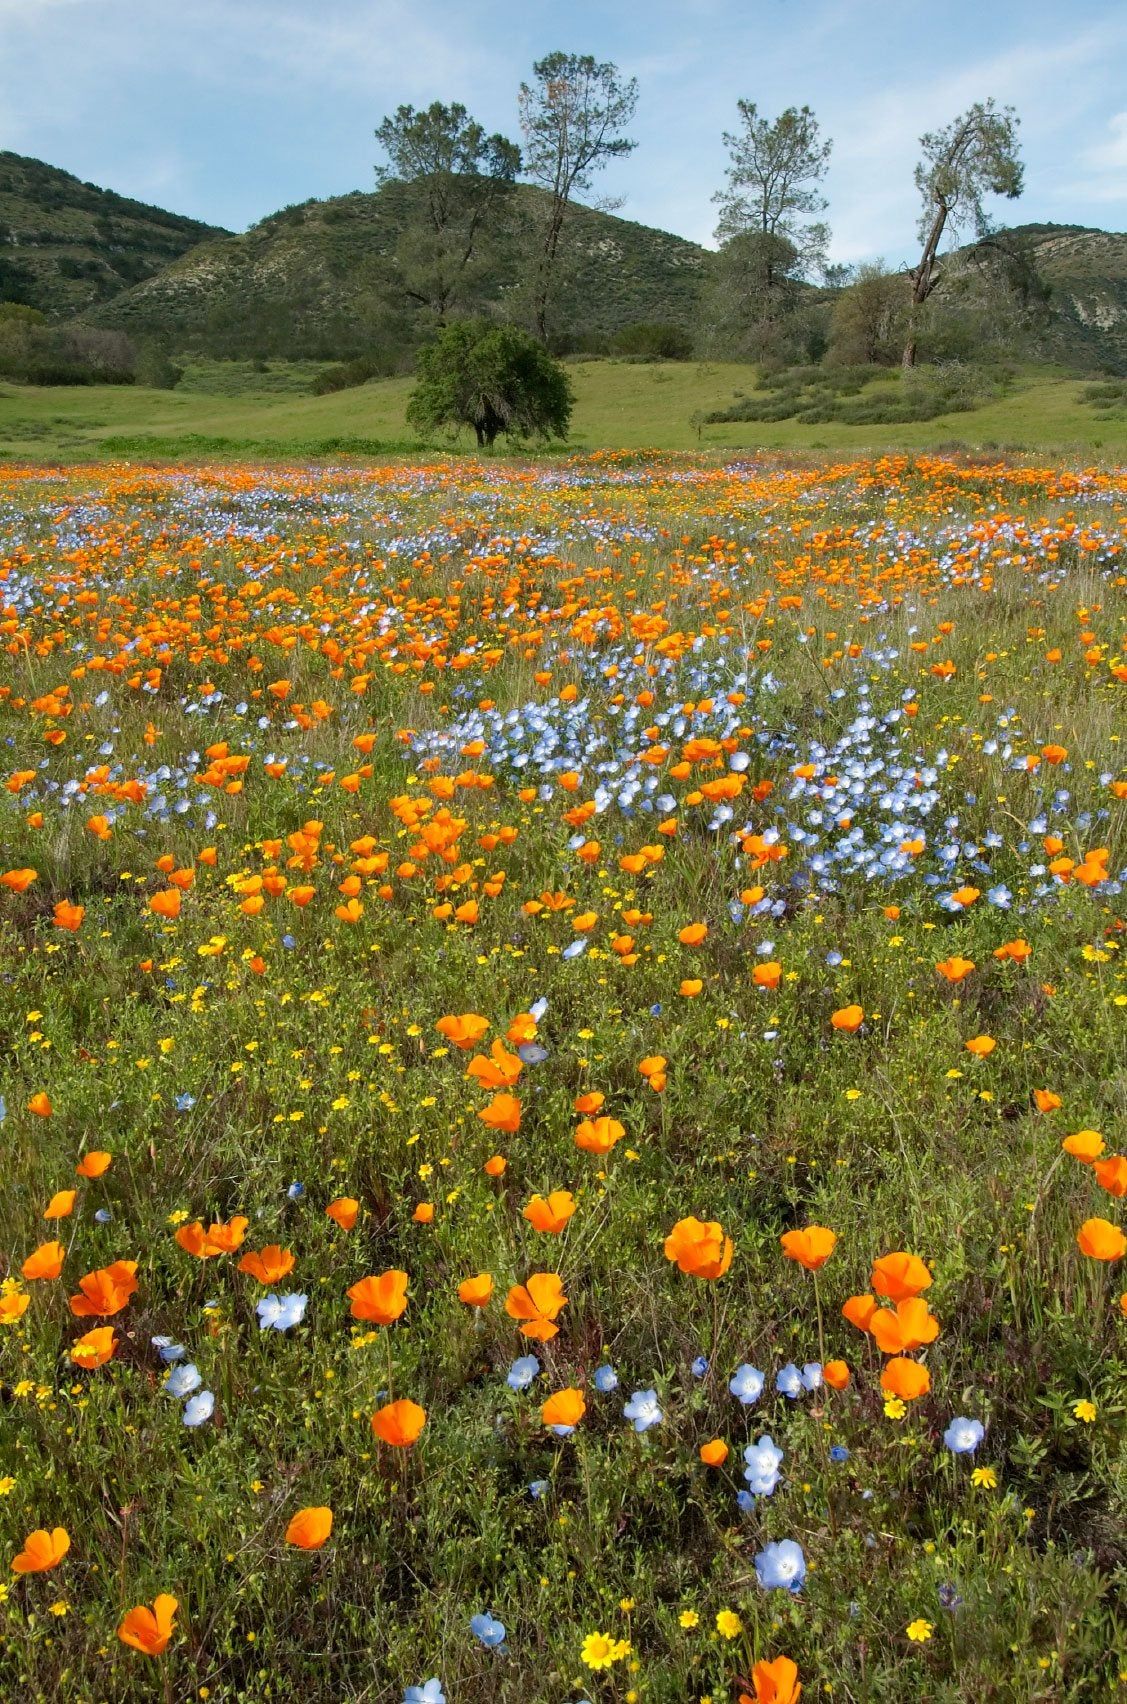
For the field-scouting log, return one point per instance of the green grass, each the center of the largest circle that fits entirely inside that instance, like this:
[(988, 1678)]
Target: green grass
[(618, 405), (222, 1056)]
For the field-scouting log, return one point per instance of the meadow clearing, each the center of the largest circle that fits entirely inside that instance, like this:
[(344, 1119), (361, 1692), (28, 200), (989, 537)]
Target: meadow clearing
[(563, 1080)]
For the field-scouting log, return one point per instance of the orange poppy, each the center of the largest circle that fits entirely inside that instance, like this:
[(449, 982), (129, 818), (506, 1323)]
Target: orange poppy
[(775, 1682), (13, 1306), (343, 1211), (909, 1326), (217, 1239), (905, 1379), (499, 1070), (1047, 1100), (166, 904), (502, 1113), (699, 1248), (463, 1029), (68, 916), (94, 1164), (18, 881), (42, 1551), (714, 1453), (550, 1214), (424, 1213), (475, 1292), (381, 1299), (692, 934), (836, 1374), (1110, 1174), (495, 1165), (310, 1528), (149, 1630), (599, 1135), (45, 1262), (538, 1303), (811, 1247), (898, 1276), (980, 1045), (399, 1423), (859, 1311), (1084, 1145), (94, 1348), (767, 975), (589, 1103), (564, 1408), (269, 1265), (955, 969), (40, 1105), (61, 1204), (848, 1019), (1018, 951), (1101, 1240), (105, 1291)]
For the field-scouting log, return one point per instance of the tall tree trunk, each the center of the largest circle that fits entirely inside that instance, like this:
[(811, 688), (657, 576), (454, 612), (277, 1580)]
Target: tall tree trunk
[(923, 280)]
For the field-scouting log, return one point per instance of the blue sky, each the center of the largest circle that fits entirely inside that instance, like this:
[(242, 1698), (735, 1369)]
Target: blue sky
[(229, 109)]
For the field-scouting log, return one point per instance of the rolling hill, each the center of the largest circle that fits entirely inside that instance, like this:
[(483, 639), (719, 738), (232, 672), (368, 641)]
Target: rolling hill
[(66, 245), (314, 280)]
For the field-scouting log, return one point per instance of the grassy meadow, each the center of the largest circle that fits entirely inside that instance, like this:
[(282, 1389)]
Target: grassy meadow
[(230, 409), (570, 1016)]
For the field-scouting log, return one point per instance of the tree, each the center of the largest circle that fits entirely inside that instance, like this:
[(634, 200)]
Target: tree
[(751, 297), (975, 155), (572, 119), (462, 175), (867, 321), (495, 378), (773, 180)]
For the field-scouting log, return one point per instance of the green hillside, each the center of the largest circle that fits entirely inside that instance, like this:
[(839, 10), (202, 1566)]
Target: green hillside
[(1086, 272), (66, 245), (314, 280)]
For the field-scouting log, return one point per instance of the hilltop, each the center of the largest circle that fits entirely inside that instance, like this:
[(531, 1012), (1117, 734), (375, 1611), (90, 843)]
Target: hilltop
[(313, 280), (66, 245)]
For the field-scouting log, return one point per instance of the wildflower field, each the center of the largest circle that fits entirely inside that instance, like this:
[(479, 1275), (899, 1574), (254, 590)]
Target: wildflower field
[(563, 1081)]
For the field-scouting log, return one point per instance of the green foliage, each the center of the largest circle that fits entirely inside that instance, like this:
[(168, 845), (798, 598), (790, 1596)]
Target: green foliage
[(494, 379), (66, 245), (35, 353), (775, 169), (751, 303), (646, 341), (863, 395), (868, 319), (154, 368)]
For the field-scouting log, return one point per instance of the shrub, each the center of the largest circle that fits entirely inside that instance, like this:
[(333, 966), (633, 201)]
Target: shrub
[(493, 378), (649, 341)]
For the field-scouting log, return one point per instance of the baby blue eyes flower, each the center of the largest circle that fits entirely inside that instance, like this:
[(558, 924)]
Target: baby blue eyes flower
[(430, 1692), (199, 1408), (185, 1103), (606, 1379), (781, 1566), (788, 1381), (489, 1632), (963, 1436), (168, 1351), (289, 942), (182, 1381), (522, 1372), (644, 1409), (839, 1453), (700, 1366), (279, 1313), (575, 949), (295, 1191), (762, 1470), (103, 1216), (812, 1376), (538, 1488), (746, 1384), (746, 1501)]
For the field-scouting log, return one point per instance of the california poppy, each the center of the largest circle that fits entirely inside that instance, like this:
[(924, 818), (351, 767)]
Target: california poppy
[(538, 1303), (269, 1265), (905, 1379), (463, 1029), (1084, 1145), (980, 1045), (1101, 1240), (105, 1291), (909, 1326), (502, 1113), (399, 1423), (550, 1214), (343, 1211), (1110, 1174), (380, 1299), (598, 1135), (40, 1104), (811, 1247), (699, 1248), (94, 1348), (836, 1374), (775, 1682), (898, 1276), (714, 1453), (95, 1163), (149, 1630), (45, 1262), (848, 1018), (61, 1204), (564, 1408), (68, 916), (41, 1551), (309, 1528), (475, 1292), (218, 1239), (955, 969), (859, 1311)]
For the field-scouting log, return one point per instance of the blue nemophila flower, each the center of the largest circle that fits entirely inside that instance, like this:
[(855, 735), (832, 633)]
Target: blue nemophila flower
[(644, 1409), (182, 1381), (963, 1436), (289, 942), (788, 1381), (839, 1453), (167, 1350), (279, 1313), (429, 1692), (575, 948), (295, 1191), (522, 1372), (605, 1379), (781, 1566), (3, 1109), (199, 1408), (185, 1103), (762, 1470), (103, 1216), (812, 1376), (487, 1631), (700, 1367), (537, 1488), (746, 1383), (746, 1501)]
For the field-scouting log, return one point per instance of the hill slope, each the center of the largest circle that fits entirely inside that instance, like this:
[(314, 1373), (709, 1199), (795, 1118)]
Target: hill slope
[(313, 280), (1086, 271), (66, 245)]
